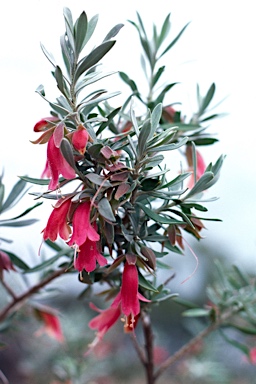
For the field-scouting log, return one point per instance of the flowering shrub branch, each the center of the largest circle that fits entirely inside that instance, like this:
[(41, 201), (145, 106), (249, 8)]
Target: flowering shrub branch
[(114, 205)]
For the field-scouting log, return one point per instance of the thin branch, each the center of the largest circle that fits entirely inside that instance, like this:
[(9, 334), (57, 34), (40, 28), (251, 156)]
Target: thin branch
[(3, 378), (138, 349), (148, 335), (185, 349), (18, 300), (8, 289)]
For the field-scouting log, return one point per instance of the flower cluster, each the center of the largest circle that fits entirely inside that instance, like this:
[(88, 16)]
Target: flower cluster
[(122, 203)]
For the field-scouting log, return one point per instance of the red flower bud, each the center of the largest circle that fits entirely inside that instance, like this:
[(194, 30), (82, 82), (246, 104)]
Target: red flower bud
[(79, 139)]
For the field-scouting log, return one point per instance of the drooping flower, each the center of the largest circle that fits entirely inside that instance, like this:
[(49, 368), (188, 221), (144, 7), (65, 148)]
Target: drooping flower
[(56, 165), (87, 256), (51, 325), (57, 222), (79, 139), (82, 227), (5, 263), (103, 322), (200, 165), (128, 297)]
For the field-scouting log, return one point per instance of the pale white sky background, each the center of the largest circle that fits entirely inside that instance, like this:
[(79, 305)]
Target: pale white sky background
[(218, 46)]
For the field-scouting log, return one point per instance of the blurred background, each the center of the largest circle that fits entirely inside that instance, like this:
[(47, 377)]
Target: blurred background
[(218, 46)]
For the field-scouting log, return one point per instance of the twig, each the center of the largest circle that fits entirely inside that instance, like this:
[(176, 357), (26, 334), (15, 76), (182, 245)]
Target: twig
[(148, 335), (3, 378), (138, 349), (19, 299), (8, 289), (185, 349)]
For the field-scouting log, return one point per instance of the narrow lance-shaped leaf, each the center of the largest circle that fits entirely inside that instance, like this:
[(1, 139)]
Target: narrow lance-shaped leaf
[(67, 153), (49, 262), (206, 100), (174, 40), (164, 31), (201, 184), (158, 218), (90, 29), (69, 27), (143, 137), (194, 161), (129, 81), (80, 32), (177, 180), (109, 119), (155, 118), (113, 32), (68, 61), (37, 181), (161, 96), (59, 78), (21, 223), (157, 76), (17, 261), (168, 147), (98, 180), (196, 312), (144, 283), (2, 190), (23, 213), (93, 58), (48, 55), (105, 210), (15, 195)]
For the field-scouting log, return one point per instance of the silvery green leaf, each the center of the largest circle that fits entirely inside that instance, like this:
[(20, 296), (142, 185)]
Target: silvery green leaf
[(113, 32), (80, 32), (15, 195), (105, 210), (94, 57), (67, 153), (98, 180)]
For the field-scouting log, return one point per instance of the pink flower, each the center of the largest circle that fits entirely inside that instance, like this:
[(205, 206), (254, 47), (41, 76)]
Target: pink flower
[(51, 326), (44, 123), (57, 222), (79, 139), (128, 297), (252, 356), (56, 165), (200, 165), (5, 263), (82, 228), (103, 322), (87, 256)]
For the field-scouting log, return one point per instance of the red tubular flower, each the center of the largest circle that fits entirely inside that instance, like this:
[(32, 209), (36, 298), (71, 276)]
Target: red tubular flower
[(51, 325), (103, 322), (57, 222), (87, 256), (82, 228), (44, 123), (5, 263), (79, 139), (56, 165), (128, 297)]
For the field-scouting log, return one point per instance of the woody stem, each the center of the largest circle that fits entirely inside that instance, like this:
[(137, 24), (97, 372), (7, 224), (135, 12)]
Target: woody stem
[(149, 337), (18, 300)]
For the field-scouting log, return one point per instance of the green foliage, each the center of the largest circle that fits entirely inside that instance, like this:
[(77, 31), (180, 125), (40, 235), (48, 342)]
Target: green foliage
[(141, 212)]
